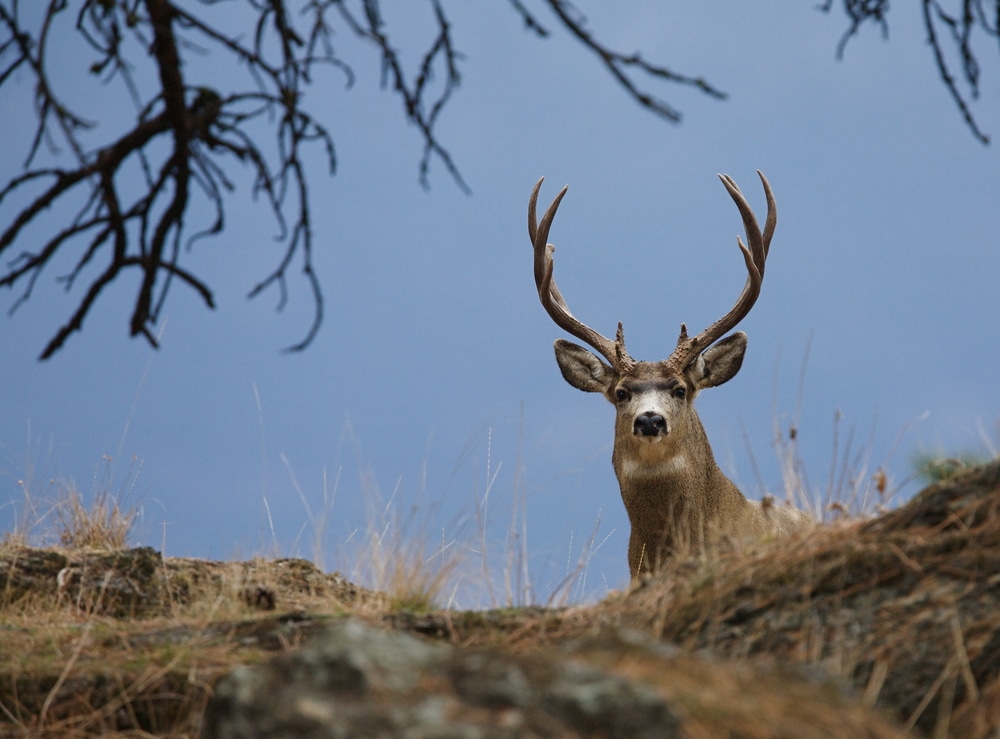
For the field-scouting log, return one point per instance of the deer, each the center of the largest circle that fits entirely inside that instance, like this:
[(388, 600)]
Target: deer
[(676, 497)]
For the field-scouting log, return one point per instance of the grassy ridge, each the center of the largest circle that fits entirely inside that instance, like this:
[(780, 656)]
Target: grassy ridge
[(901, 611)]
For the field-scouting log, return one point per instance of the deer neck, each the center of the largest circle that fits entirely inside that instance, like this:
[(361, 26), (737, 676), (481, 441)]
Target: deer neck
[(672, 489)]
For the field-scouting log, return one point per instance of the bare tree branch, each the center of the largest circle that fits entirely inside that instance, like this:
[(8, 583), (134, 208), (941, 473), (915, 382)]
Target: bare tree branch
[(621, 65), (186, 136), (960, 25), (961, 33), (530, 22), (370, 25)]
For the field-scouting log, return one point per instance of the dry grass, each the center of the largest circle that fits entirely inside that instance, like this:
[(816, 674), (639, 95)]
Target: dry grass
[(61, 515), (99, 639), (412, 578), (852, 488), (476, 560), (97, 643), (905, 607), (104, 524)]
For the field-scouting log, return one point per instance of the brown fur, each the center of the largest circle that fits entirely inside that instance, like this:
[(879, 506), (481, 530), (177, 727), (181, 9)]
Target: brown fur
[(676, 496)]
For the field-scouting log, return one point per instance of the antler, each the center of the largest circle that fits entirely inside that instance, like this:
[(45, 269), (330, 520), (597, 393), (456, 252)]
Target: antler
[(755, 255), (552, 299)]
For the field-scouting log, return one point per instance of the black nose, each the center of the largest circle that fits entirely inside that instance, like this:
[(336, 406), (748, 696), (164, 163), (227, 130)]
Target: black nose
[(649, 424)]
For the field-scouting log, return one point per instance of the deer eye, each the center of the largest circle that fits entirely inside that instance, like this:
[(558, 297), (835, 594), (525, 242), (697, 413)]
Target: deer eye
[(680, 393), (621, 394)]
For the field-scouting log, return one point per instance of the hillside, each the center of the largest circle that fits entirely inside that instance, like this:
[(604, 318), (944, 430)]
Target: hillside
[(886, 627)]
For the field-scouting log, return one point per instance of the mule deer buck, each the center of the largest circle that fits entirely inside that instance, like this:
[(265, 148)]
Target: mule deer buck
[(675, 494)]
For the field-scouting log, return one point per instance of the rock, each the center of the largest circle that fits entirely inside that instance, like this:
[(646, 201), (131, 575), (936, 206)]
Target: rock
[(139, 582), (356, 680), (119, 584), (25, 570)]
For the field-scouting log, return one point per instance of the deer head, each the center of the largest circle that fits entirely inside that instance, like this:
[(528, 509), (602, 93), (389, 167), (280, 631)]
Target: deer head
[(665, 467)]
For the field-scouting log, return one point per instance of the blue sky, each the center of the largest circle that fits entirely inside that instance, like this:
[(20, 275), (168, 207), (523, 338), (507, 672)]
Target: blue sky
[(432, 391)]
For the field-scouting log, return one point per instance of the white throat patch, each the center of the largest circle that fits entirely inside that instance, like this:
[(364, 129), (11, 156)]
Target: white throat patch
[(653, 465)]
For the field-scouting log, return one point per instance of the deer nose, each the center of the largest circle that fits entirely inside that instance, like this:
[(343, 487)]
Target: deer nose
[(649, 424)]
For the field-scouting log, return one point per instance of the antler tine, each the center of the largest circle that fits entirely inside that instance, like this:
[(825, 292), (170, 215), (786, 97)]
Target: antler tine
[(754, 256), (550, 295), (763, 244)]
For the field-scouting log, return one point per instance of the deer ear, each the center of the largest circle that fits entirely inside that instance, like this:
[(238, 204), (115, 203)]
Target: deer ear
[(583, 369), (720, 362)]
